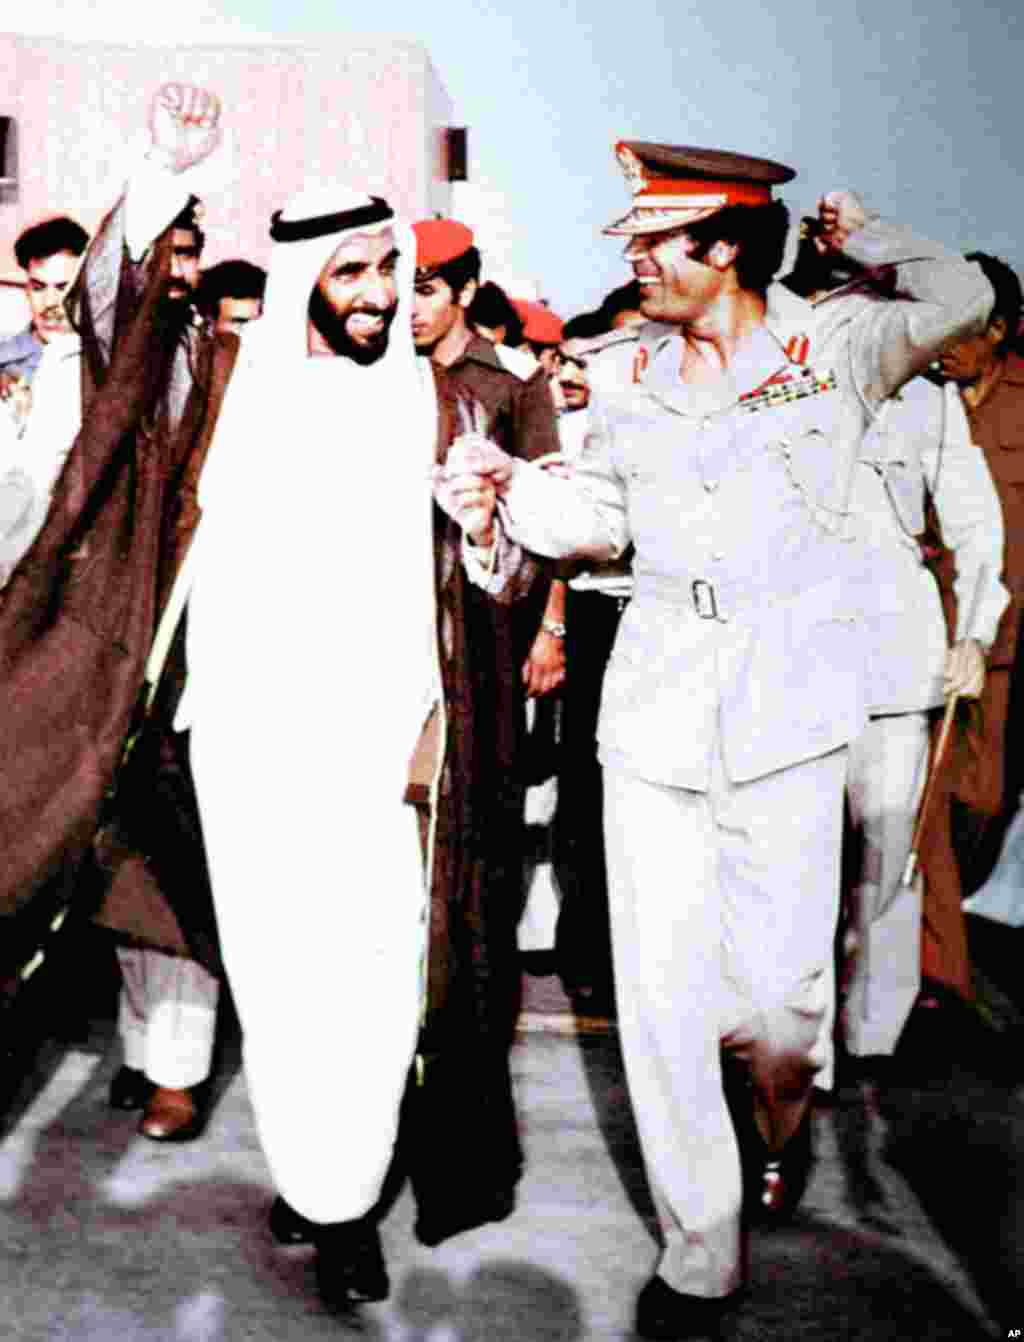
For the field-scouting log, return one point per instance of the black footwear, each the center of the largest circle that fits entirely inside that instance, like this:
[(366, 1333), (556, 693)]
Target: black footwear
[(662, 1313), (130, 1089), (287, 1225), (431, 1230), (350, 1266)]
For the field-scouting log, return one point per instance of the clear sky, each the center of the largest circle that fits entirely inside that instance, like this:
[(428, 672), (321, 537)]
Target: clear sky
[(916, 103)]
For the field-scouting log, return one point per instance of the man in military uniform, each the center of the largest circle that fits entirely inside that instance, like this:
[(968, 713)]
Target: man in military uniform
[(738, 675), (507, 387), (918, 449)]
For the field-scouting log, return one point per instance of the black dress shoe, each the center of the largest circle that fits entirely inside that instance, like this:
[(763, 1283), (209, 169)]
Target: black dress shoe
[(288, 1226), (350, 1266), (671, 1316), (130, 1089), (431, 1230)]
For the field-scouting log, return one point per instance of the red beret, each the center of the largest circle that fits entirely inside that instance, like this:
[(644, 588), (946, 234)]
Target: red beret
[(540, 325), (439, 241)]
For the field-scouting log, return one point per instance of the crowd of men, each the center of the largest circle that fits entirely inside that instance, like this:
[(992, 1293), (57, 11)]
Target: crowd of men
[(761, 538)]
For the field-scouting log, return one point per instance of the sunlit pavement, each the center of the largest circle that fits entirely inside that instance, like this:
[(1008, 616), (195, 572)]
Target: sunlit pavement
[(911, 1227)]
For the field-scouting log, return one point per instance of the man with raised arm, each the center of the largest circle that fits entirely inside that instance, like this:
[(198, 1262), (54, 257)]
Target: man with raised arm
[(116, 434), (738, 675)]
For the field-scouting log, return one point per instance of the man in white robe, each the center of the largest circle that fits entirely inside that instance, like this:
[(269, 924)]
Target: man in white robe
[(301, 739)]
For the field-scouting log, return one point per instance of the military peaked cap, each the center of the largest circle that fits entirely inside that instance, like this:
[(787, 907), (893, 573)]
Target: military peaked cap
[(675, 185)]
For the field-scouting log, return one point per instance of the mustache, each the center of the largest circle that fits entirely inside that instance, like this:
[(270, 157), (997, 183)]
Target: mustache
[(333, 326)]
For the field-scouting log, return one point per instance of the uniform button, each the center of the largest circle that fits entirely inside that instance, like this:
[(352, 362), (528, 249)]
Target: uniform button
[(717, 556), (705, 424), (710, 486)]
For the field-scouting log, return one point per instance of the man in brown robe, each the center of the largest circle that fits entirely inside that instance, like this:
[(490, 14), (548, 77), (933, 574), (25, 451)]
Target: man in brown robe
[(81, 606), (977, 789)]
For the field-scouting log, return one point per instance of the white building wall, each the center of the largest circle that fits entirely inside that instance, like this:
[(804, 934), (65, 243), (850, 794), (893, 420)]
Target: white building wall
[(368, 113)]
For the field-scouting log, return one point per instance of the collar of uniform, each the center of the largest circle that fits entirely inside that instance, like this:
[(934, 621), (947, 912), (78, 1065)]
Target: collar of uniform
[(478, 350), (756, 360), (788, 316), (623, 335)]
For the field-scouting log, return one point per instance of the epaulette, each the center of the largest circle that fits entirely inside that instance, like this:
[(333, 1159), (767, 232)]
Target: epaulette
[(518, 362)]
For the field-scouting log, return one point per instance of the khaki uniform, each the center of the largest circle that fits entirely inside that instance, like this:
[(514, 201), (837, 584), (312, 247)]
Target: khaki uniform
[(920, 443), (737, 680)]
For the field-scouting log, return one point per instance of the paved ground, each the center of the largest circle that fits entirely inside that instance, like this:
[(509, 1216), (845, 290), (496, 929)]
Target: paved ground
[(912, 1227)]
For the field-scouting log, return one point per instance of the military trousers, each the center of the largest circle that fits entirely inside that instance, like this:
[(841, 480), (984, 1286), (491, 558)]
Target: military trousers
[(723, 911), (887, 771)]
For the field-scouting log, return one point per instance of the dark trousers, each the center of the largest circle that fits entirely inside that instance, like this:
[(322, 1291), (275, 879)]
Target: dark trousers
[(582, 940)]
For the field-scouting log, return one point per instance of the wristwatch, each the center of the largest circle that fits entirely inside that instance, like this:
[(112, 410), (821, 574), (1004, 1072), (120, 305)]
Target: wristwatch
[(553, 627)]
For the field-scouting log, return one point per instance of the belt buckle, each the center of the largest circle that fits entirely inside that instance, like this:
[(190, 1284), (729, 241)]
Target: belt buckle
[(704, 602)]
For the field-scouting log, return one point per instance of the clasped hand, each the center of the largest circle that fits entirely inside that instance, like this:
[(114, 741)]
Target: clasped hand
[(467, 486), (840, 214)]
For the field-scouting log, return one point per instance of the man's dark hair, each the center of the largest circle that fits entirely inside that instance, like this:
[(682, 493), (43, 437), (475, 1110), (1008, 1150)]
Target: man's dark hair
[(458, 272), (626, 298), (229, 279), (50, 238), (759, 231), (186, 219), (585, 326), (1008, 297), (813, 271), (491, 307)]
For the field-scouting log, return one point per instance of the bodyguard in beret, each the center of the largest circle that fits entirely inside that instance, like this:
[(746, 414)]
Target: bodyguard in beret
[(724, 452)]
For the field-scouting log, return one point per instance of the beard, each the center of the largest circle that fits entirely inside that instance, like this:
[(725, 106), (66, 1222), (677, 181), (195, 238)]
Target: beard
[(172, 316), (331, 325)]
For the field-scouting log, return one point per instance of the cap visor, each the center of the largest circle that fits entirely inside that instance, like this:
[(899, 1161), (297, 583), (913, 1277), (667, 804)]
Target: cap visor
[(656, 221)]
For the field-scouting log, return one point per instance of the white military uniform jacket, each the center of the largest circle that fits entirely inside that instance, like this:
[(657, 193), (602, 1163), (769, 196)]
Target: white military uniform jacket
[(746, 630), (921, 444)]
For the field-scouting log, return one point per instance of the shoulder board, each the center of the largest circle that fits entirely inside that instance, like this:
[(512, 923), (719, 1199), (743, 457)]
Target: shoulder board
[(518, 362), (612, 365)]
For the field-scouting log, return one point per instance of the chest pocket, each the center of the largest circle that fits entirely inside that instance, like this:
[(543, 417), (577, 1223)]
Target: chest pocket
[(894, 454), (803, 435)]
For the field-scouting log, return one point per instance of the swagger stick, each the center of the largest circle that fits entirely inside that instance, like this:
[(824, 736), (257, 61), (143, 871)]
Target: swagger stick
[(910, 869), (923, 816)]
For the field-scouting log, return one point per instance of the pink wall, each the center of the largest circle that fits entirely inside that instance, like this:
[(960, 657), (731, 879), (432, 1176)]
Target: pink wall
[(369, 114)]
